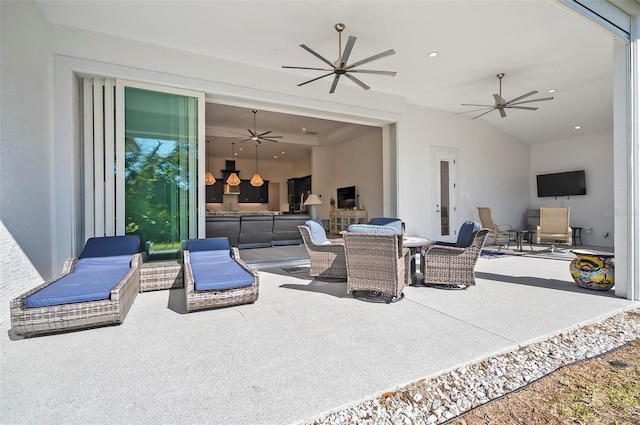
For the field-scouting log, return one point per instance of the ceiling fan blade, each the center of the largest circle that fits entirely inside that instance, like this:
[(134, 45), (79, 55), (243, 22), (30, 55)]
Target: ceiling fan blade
[(531, 93), (372, 58), (335, 83), (269, 140), (475, 104), (317, 55), (476, 110), (306, 67), (271, 137), (498, 99), (532, 100), (252, 133), (503, 113), (528, 108), (357, 81), (262, 134), (317, 78), (484, 113), (239, 134), (246, 140), (370, 71), (347, 51)]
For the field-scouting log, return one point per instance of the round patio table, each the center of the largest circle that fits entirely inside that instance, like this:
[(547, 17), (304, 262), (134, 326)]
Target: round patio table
[(416, 244)]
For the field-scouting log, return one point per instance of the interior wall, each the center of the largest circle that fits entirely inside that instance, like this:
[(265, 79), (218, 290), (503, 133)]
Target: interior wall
[(25, 150), (354, 162), (594, 154), (492, 169)]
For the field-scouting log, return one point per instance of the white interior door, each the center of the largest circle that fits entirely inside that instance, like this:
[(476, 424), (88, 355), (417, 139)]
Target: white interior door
[(444, 194)]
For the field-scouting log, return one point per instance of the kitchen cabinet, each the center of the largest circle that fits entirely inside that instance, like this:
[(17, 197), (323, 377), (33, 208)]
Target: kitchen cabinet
[(214, 192), (253, 195)]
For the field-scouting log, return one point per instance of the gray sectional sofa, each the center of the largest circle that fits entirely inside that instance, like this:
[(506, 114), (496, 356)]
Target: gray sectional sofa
[(257, 231)]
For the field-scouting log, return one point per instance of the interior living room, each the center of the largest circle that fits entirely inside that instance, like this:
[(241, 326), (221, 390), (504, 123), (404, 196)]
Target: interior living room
[(419, 117)]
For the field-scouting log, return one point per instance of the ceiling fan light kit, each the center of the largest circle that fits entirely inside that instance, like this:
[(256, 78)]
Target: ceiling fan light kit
[(501, 104), (341, 67)]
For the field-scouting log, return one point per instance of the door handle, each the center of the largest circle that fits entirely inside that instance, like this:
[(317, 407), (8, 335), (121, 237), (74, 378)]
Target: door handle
[(437, 210)]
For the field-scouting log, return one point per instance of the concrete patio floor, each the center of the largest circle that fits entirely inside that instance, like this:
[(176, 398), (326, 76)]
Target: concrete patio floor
[(305, 348)]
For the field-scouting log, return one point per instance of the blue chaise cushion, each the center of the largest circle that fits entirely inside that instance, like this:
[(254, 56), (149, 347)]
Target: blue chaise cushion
[(92, 280), (318, 235), (108, 246), (213, 267)]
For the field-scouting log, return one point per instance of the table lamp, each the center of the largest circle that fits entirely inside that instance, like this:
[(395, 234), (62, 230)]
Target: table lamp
[(311, 202)]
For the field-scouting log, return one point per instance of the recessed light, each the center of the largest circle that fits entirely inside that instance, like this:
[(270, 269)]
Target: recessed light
[(282, 152), (577, 127), (304, 129), (551, 91), (239, 149), (433, 54), (275, 156)]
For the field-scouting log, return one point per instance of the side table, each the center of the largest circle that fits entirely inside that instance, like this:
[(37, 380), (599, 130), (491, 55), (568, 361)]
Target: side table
[(156, 275), (519, 236), (576, 235)]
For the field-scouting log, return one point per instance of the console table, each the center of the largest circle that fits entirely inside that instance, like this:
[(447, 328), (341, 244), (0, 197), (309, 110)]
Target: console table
[(339, 220)]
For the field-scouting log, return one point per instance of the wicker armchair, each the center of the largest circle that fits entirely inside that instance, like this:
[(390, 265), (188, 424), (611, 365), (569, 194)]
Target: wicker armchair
[(450, 266), (327, 260), (377, 262)]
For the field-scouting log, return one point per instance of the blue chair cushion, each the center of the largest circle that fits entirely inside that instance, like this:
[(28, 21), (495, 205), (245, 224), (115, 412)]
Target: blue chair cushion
[(373, 229), (396, 223), (215, 270), (110, 246), (318, 235), (466, 233), (92, 280), (211, 244)]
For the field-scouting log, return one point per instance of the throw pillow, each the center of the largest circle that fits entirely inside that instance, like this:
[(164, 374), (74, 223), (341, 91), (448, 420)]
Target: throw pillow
[(465, 236), (318, 235)]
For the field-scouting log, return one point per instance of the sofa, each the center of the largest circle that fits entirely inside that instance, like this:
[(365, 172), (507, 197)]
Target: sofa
[(257, 231)]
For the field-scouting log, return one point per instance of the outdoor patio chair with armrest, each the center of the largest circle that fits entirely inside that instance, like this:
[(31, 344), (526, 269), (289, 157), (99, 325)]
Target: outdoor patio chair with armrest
[(451, 265), (376, 260), (326, 256), (501, 233), (96, 289), (215, 276)]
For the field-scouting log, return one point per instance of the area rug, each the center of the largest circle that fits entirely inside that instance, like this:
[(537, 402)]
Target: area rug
[(296, 270), (489, 254)]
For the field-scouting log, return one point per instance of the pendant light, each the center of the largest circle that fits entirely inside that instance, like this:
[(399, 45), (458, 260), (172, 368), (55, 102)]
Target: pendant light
[(256, 180), (208, 176), (233, 179)]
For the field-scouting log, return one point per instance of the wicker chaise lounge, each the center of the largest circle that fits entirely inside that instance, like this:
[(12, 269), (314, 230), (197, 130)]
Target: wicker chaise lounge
[(96, 289), (215, 276), (326, 255), (451, 265)]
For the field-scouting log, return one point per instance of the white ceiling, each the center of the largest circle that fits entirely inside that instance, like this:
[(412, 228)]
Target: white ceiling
[(540, 45)]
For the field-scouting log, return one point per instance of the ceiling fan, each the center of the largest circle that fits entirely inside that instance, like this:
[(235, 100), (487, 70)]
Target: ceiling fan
[(501, 104), (255, 136), (340, 66)]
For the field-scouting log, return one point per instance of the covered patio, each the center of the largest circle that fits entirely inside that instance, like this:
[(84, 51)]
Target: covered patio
[(305, 348)]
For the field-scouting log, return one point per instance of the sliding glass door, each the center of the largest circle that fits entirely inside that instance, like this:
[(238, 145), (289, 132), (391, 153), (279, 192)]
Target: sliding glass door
[(158, 169)]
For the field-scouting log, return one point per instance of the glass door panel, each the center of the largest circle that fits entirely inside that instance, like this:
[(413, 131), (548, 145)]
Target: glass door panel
[(160, 170)]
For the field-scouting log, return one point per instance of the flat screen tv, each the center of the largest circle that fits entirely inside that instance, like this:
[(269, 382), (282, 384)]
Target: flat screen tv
[(562, 184), (346, 197)]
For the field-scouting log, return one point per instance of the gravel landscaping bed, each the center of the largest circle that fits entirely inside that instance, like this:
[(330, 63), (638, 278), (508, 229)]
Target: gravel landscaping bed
[(442, 398)]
